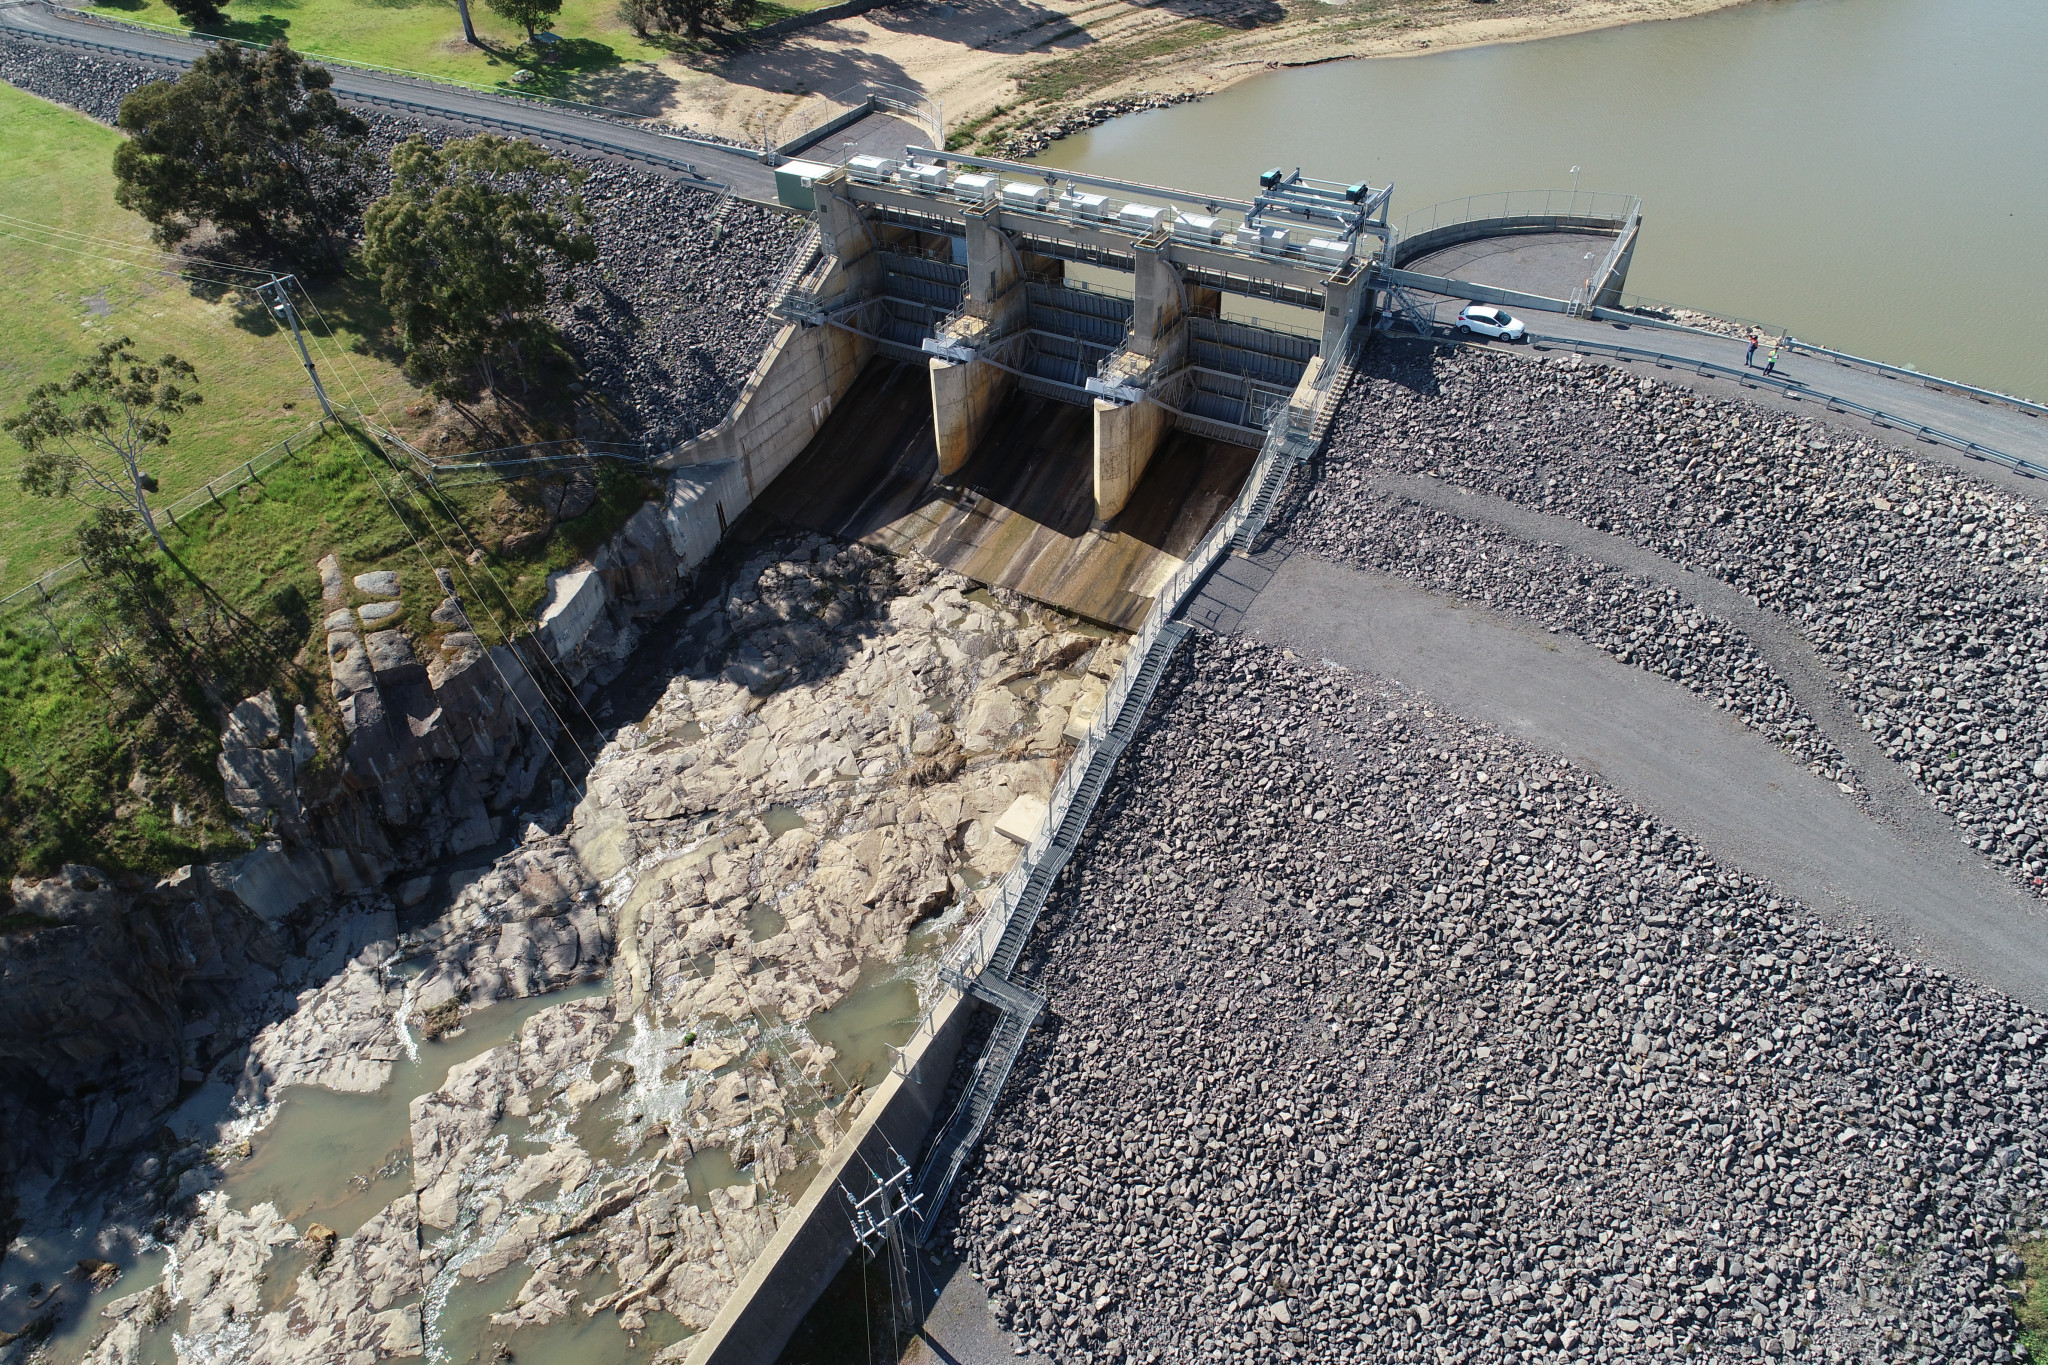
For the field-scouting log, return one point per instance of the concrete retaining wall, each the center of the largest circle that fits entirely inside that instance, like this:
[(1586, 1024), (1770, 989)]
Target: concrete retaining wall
[(1451, 234), (816, 1238), (702, 501), (803, 373)]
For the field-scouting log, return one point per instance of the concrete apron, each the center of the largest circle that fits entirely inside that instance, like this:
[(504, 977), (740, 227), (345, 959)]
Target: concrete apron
[(815, 1240)]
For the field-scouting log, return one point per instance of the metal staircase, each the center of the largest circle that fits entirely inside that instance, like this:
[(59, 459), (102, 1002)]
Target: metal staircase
[(1021, 1007), (1003, 961), (1268, 493)]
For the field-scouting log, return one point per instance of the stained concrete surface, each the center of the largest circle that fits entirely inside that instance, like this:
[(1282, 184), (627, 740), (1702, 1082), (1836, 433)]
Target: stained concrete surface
[(875, 135), (1697, 768), (1548, 264), (1020, 513)]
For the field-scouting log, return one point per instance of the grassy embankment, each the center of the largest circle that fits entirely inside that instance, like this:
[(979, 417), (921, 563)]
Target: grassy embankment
[(70, 752), (599, 60), (75, 270)]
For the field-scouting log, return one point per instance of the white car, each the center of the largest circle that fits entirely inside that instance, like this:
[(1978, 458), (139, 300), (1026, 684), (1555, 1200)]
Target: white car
[(1491, 322)]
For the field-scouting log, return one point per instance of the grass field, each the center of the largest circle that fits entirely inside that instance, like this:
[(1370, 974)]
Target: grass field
[(84, 776), (66, 767), (76, 270), (599, 60)]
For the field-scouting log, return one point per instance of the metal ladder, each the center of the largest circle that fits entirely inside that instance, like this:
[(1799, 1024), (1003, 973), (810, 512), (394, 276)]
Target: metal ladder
[(1268, 493)]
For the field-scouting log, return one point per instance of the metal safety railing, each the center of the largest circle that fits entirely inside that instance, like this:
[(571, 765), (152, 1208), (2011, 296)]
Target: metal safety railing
[(1284, 448), (1795, 389)]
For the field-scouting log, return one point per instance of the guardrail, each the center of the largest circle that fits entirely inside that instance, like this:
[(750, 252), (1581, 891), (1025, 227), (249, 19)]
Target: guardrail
[(1900, 371), (45, 585), (1796, 389), (1642, 309), (509, 96)]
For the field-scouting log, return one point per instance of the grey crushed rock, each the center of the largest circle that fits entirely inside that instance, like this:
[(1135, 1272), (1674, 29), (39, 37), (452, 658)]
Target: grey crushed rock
[(1377, 1036)]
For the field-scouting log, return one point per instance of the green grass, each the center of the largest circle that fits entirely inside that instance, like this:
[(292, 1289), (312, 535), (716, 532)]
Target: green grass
[(2032, 1308), (1091, 68), (76, 270), (600, 60), (68, 755)]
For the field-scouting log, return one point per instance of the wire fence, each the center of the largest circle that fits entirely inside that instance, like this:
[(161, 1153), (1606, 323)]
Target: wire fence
[(46, 586)]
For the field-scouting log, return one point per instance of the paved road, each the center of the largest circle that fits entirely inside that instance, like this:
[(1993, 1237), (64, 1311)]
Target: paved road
[(705, 161), (1696, 767), (1551, 264), (2009, 428)]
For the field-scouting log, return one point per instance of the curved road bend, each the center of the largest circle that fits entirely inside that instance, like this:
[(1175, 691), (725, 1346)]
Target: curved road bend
[(1697, 767), (704, 161)]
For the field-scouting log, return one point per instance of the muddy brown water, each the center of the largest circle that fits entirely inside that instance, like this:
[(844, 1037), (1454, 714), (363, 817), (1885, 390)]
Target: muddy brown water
[(1866, 173)]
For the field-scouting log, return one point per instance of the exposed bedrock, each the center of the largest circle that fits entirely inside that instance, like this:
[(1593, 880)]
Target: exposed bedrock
[(851, 746), (1377, 1036)]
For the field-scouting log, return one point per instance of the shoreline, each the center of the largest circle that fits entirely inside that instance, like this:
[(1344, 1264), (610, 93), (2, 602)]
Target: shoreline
[(1006, 91)]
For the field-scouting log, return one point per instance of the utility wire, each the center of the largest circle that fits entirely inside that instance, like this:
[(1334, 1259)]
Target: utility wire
[(461, 563)]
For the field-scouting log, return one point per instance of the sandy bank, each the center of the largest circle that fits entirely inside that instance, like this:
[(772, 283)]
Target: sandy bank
[(1010, 73)]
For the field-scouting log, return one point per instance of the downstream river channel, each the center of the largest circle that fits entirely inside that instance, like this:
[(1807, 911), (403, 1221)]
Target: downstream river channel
[(1868, 174)]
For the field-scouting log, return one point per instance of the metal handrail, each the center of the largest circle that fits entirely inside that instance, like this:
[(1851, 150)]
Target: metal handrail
[(1794, 388), (969, 952)]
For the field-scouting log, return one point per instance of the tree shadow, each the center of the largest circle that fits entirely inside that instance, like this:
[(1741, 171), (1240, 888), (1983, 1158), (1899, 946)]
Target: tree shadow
[(788, 70), (354, 303), (263, 30), (627, 88)]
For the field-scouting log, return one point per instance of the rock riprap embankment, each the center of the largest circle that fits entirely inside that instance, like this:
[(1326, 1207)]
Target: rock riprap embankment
[(1643, 623), (1920, 589), (856, 745), (1377, 1036), (667, 323)]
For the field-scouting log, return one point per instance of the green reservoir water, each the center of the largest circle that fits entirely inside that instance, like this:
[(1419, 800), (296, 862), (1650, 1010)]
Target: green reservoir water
[(1869, 174)]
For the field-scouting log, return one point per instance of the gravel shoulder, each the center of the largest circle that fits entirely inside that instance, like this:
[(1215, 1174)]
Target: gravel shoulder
[(1690, 764)]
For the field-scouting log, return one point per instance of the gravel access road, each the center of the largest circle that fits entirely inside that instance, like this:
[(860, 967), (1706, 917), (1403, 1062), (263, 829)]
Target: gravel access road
[(1692, 765)]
